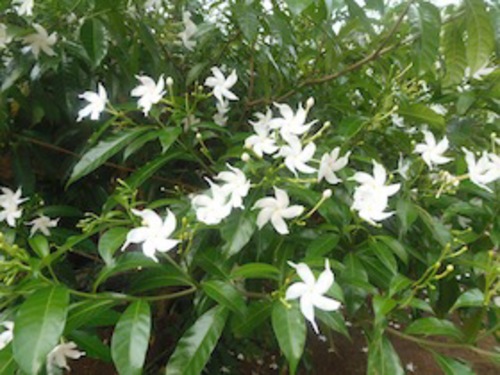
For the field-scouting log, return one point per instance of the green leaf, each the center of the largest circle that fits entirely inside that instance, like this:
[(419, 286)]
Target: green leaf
[(247, 19), (83, 312), (131, 338), (454, 54), (480, 35), (225, 294), (383, 359), (426, 23), (92, 345), (94, 37), (423, 115), (256, 271), (396, 247), (322, 245), (432, 327), (38, 326), (452, 366), (382, 306), (167, 137), (398, 284), (257, 313), (7, 364), (140, 141), (470, 298), (290, 331), (100, 153), (109, 242), (40, 245), (297, 6), (137, 178), (194, 348), (238, 231), (435, 227), (334, 320), (158, 277), (407, 213)]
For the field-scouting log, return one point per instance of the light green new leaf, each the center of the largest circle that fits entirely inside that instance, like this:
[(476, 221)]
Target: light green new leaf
[(426, 23), (238, 231), (38, 326), (110, 241), (94, 37), (383, 359), (452, 366), (434, 326), (100, 153), (480, 34), (131, 338), (473, 297), (225, 294), (40, 245), (196, 345), (290, 331)]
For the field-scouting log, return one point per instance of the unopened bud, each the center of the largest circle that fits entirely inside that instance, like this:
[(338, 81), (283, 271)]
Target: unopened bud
[(327, 193), (169, 81), (245, 157), (309, 103), (327, 124), (198, 136), (450, 267)]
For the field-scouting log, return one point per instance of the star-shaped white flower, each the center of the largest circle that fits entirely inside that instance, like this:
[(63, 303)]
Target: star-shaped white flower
[(372, 196), (403, 167), (7, 335), (40, 41), (311, 291), (263, 141), (189, 31), (236, 185), (42, 224), (149, 92), (484, 170), (331, 163), (212, 209), (5, 38), (24, 7), (221, 85), (9, 206), (432, 152), (292, 124), (220, 117), (58, 356), (296, 157), (97, 103), (154, 234), (276, 210)]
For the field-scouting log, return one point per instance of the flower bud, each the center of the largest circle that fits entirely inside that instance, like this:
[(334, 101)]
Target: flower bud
[(327, 193), (198, 136), (309, 103), (245, 157), (169, 81)]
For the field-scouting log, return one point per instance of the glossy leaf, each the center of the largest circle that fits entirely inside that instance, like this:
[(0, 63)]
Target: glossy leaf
[(131, 339), (383, 359), (197, 344), (290, 331), (454, 53), (421, 114), (81, 313), (94, 37), (256, 271), (238, 231), (92, 345), (432, 327), (226, 295), (471, 298), (38, 326), (7, 364), (110, 241), (257, 313), (40, 245), (298, 6), (451, 366)]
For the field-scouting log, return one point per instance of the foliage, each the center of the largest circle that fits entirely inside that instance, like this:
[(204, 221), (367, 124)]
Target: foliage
[(383, 100)]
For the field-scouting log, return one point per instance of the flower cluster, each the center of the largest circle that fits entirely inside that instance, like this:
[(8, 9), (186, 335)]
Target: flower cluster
[(9, 206)]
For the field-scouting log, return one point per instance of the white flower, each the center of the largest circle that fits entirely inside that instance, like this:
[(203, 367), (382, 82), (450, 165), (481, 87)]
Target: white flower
[(148, 92), (263, 142), (9, 206), (311, 291), (484, 170), (439, 109), (480, 73), (372, 196), (403, 167), (5, 38), (24, 7), (236, 185), (212, 209), (397, 120), (292, 124), (189, 31), (220, 117), (40, 41), (153, 4), (42, 223), (154, 234), (7, 335), (221, 85), (432, 152), (276, 210), (410, 367), (331, 163), (296, 157), (97, 103), (58, 356)]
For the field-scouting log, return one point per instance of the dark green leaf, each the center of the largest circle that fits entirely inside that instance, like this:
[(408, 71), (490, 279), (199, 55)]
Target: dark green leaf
[(194, 348), (297, 6), (470, 298), (81, 313), (7, 364), (257, 313), (452, 366), (109, 242), (256, 271), (238, 231), (421, 114), (290, 331), (454, 54), (92, 345), (38, 326), (433, 326), (94, 37), (131, 339), (383, 359), (40, 245), (226, 295), (334, 320), (322, 245)]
